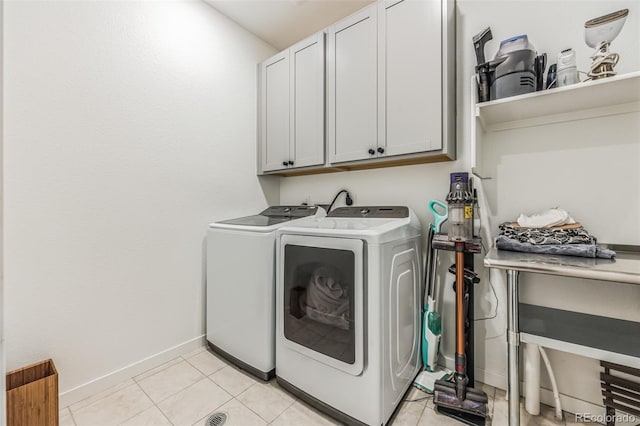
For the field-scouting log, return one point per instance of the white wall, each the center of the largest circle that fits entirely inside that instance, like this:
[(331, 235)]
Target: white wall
[(129, 127), (587, 167), (2, 346)]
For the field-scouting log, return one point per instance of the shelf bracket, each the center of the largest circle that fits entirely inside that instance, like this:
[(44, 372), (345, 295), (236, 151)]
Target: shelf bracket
[(473, 130), (477, 174)]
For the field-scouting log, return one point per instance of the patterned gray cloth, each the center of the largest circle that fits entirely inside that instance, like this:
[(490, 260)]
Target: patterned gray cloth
[(543, 236), (581, 250)]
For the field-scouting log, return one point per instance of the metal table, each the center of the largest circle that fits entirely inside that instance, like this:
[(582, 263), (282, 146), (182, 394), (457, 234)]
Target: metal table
[(625, 268)]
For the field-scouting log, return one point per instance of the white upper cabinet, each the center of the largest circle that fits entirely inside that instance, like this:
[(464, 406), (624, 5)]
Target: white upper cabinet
[(275, 112), (409, 76), (292, 107), (352, 60), (307, 102), (385, 81), (390, 92)]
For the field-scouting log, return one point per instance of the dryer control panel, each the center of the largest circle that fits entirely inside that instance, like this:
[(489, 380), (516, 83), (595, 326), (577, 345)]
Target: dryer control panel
[(292, 211), (375, 212)]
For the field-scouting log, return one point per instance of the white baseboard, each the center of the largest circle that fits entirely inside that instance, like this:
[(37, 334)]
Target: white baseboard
[(491, 378), (100, 384), (569, 403)]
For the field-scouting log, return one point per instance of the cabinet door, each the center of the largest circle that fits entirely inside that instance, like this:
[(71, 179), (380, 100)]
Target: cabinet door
[(275, 112), (410, 84), (352, 87), (307, 101)]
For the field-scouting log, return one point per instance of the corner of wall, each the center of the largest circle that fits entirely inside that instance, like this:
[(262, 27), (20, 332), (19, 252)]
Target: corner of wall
[(2, 356)]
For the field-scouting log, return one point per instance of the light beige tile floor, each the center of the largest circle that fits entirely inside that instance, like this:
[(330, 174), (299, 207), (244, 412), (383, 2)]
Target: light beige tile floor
[(186, 390)]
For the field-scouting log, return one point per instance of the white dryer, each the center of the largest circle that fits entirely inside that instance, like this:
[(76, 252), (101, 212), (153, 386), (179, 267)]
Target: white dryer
[(241, 286), (348, 311)]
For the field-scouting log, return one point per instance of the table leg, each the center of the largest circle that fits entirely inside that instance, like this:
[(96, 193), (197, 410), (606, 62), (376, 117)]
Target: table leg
[(531, 371), (513, 341)]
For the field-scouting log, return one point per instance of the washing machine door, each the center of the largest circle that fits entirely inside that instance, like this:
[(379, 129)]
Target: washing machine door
[(321, 285)]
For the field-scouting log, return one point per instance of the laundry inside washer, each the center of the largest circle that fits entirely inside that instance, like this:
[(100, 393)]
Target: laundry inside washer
[(320, 301)]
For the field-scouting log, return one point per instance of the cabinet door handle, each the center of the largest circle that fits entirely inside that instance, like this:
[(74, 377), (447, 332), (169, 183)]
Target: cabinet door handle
[(285, 163), (290, 163), (371, 151), (381, 150)]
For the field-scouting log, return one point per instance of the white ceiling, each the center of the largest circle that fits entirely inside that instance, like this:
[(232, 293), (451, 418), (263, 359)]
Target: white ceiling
[(281, 23)]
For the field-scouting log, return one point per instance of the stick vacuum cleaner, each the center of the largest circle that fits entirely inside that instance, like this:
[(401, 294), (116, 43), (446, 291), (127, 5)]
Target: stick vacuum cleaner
[(457, 400)]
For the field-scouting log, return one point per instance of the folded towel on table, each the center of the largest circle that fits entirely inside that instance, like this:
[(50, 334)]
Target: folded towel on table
[(545, 219), (559, 235), (580, 250)]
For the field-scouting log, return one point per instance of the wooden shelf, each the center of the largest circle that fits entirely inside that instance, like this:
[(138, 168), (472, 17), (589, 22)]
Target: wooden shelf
[(596, 98), (376, 163)]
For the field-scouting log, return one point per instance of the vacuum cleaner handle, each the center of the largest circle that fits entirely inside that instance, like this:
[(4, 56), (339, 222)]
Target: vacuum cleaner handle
[(440, 218), (479, 40)]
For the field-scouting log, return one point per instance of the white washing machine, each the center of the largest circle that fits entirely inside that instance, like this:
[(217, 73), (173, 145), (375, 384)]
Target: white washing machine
[(241, 286), (348, 311)]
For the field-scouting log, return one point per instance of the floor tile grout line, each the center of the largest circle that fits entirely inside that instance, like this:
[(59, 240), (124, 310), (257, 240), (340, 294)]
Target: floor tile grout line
[(210, 413), (184, 389), (218, 370), (101, 399), (73, 419), (159, 371), (278, 416), (180, 390), (143, 410), (111, 388), (204, 418), (224, 403), (154, 404), (234, 396), (426, 406), (241, 371), (181, 358), (407, 404), (136, 382), (191, 354), (70, 415), (206, 375), (266, 421), (163, 414), (249, 408), (226, 364), (199, 371), (187, 387)]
